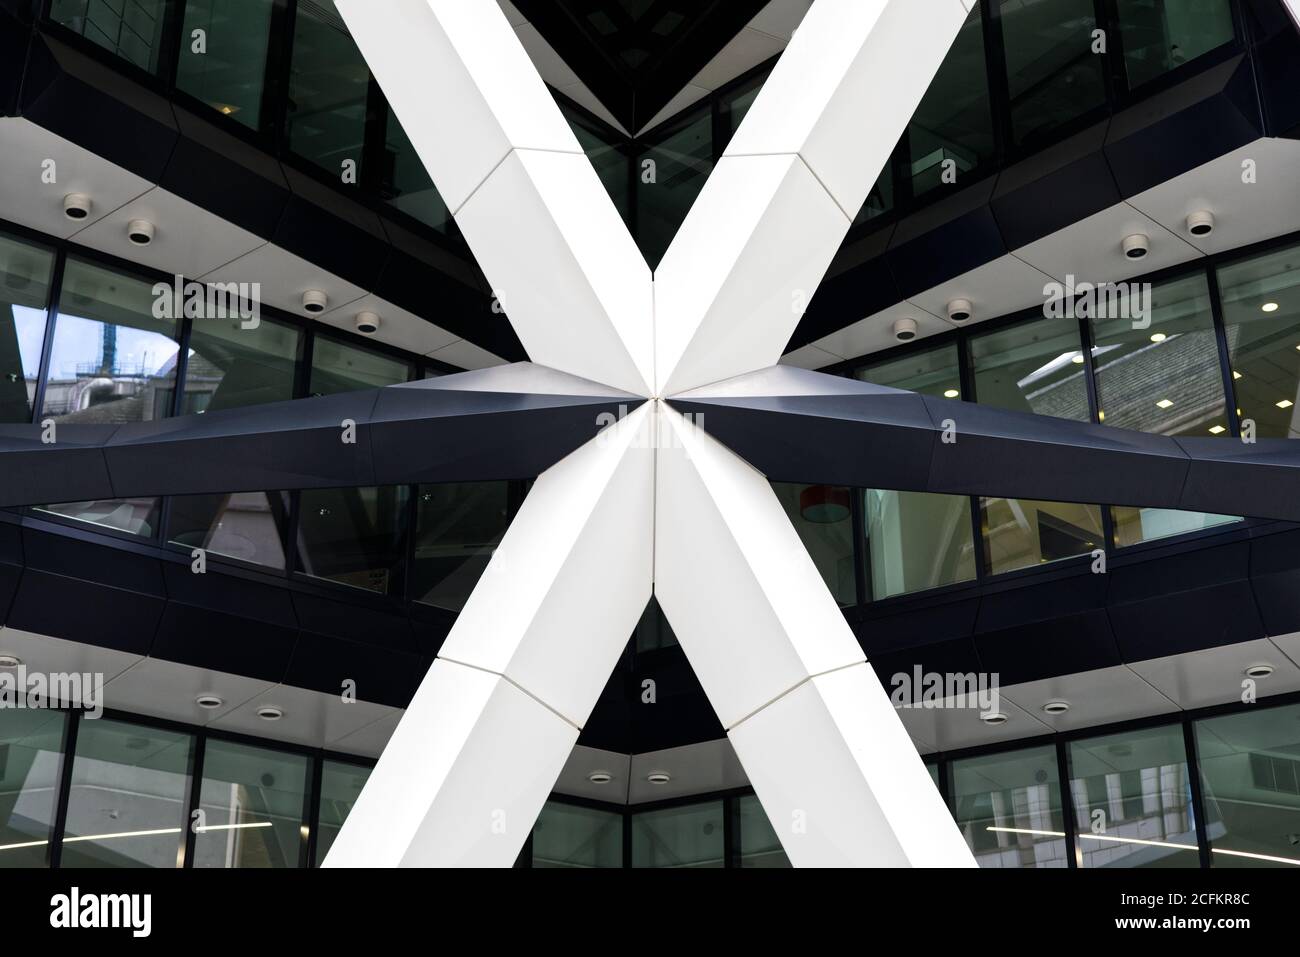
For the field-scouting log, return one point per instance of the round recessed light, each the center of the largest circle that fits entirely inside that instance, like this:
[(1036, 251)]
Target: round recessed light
[(10, 661), (1158, 337), (951, 393), (1259, 671), (658, 777), (1078, 359), (1056, 707), (600, 777), (208, 701), (994, 718), (1269, 307), (270, 713)]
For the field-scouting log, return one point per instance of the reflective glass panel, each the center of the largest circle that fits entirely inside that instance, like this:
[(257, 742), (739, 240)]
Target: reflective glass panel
[(653, 630), (951, 132), (458, 527), (823, 517), (328, 87), (354, 536), (130, 29), (1250, 777), (230, 366), (24, 291), (1034, 366), (134, 516), (670, 174), (1008, 807), (252, 807), (566, 835), (249, 526), (759, 844), (1136, 525), (339, 367), (407, 184), (609, 157), (127, 803), (1132, 797), (929, 372), (340, 786), (916, 540), (1261, 316), (1019, 533), (225, 65), (1159, 36), (688, 836), (31, 743), (1053, 75)]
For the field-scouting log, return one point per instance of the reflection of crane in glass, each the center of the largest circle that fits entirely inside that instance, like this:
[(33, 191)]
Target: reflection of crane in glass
[(108, 349)]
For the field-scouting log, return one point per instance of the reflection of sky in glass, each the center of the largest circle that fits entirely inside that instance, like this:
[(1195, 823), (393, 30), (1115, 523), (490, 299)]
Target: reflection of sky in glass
[(29, 324), (78, 344)]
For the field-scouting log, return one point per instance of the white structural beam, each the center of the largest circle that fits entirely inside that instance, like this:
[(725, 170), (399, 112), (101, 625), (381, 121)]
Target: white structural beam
[(763, 231), (831, 763), (542, 227), (1294, 7), (479, 749)]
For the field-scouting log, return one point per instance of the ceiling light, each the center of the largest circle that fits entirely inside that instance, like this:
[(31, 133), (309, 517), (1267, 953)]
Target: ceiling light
[(1285, 404), (1135, 246), (140, 232), (824, 504), (1217, 430), (1259, 671), (1236, 374), (905, 329), (1078, 360), (314, 301), (994, 718), (1271, 307), (10, 661), (1056, 707), (367, 323), (950, 393), (76, 206), (208, 702), (270, 713), (959, 310), (600, 777), (1164, 403), (1200, 223), (1158, 337), (658, 777), (1101, 416)]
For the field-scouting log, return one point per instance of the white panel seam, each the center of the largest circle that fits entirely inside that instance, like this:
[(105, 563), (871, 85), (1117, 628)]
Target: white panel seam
[(793, 688), (506, 678)]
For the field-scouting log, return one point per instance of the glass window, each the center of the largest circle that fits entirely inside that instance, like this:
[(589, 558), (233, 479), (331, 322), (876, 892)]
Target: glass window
[(687, 836), (734, 105), (328, 87), (112, 362), (1008, 807), (759, 845), (916, 540), (930, 372), (1158, 36), (354, 536), (566, 835), (458, 527), (133, 516), (339, 367), (1136, 525), (252, 807), (1019, 533), (31, 745), (407, 184), (1133, 800), (951, 131), (1053, 76), (1035, 366), (230, 366), (1261, 316), (652, 630), (249, 526), (225, 65), (823, 517), (670, 174), (130, 29), (1250, 777), (881, 198), (127, 804), (340, 786), (24, 291), (608, 156)]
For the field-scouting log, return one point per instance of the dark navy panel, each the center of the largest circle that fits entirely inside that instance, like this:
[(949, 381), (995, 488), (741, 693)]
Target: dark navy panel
[(945, 239), (1044, 629), (225, 623), (609, 727), (378, 624), (332, 231), (681, 713), (70, 469), (1260, 479), (11, 565), (938, 657), (1275, 576), (15, 35), (99, 109), (1183, 602), (94, 594), (225, 175), (430, 627), (858, 284), (1179, 129), (934, 634), (1054, 188), (380, 675), (1277, 65)]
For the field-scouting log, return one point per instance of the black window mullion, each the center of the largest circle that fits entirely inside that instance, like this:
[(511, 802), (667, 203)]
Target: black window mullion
[(1225, 354), (995, 68), (967, 386), (1067, 805), (47, 343), (310, 814), (1198, 797), (857, 509), (171, 42), (282, 68), (196, 790), (54, 850), (1094, 416)]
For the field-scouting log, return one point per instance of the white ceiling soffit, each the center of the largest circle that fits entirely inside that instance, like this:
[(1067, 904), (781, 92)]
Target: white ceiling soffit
[(1244, 213), (190, 241)]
